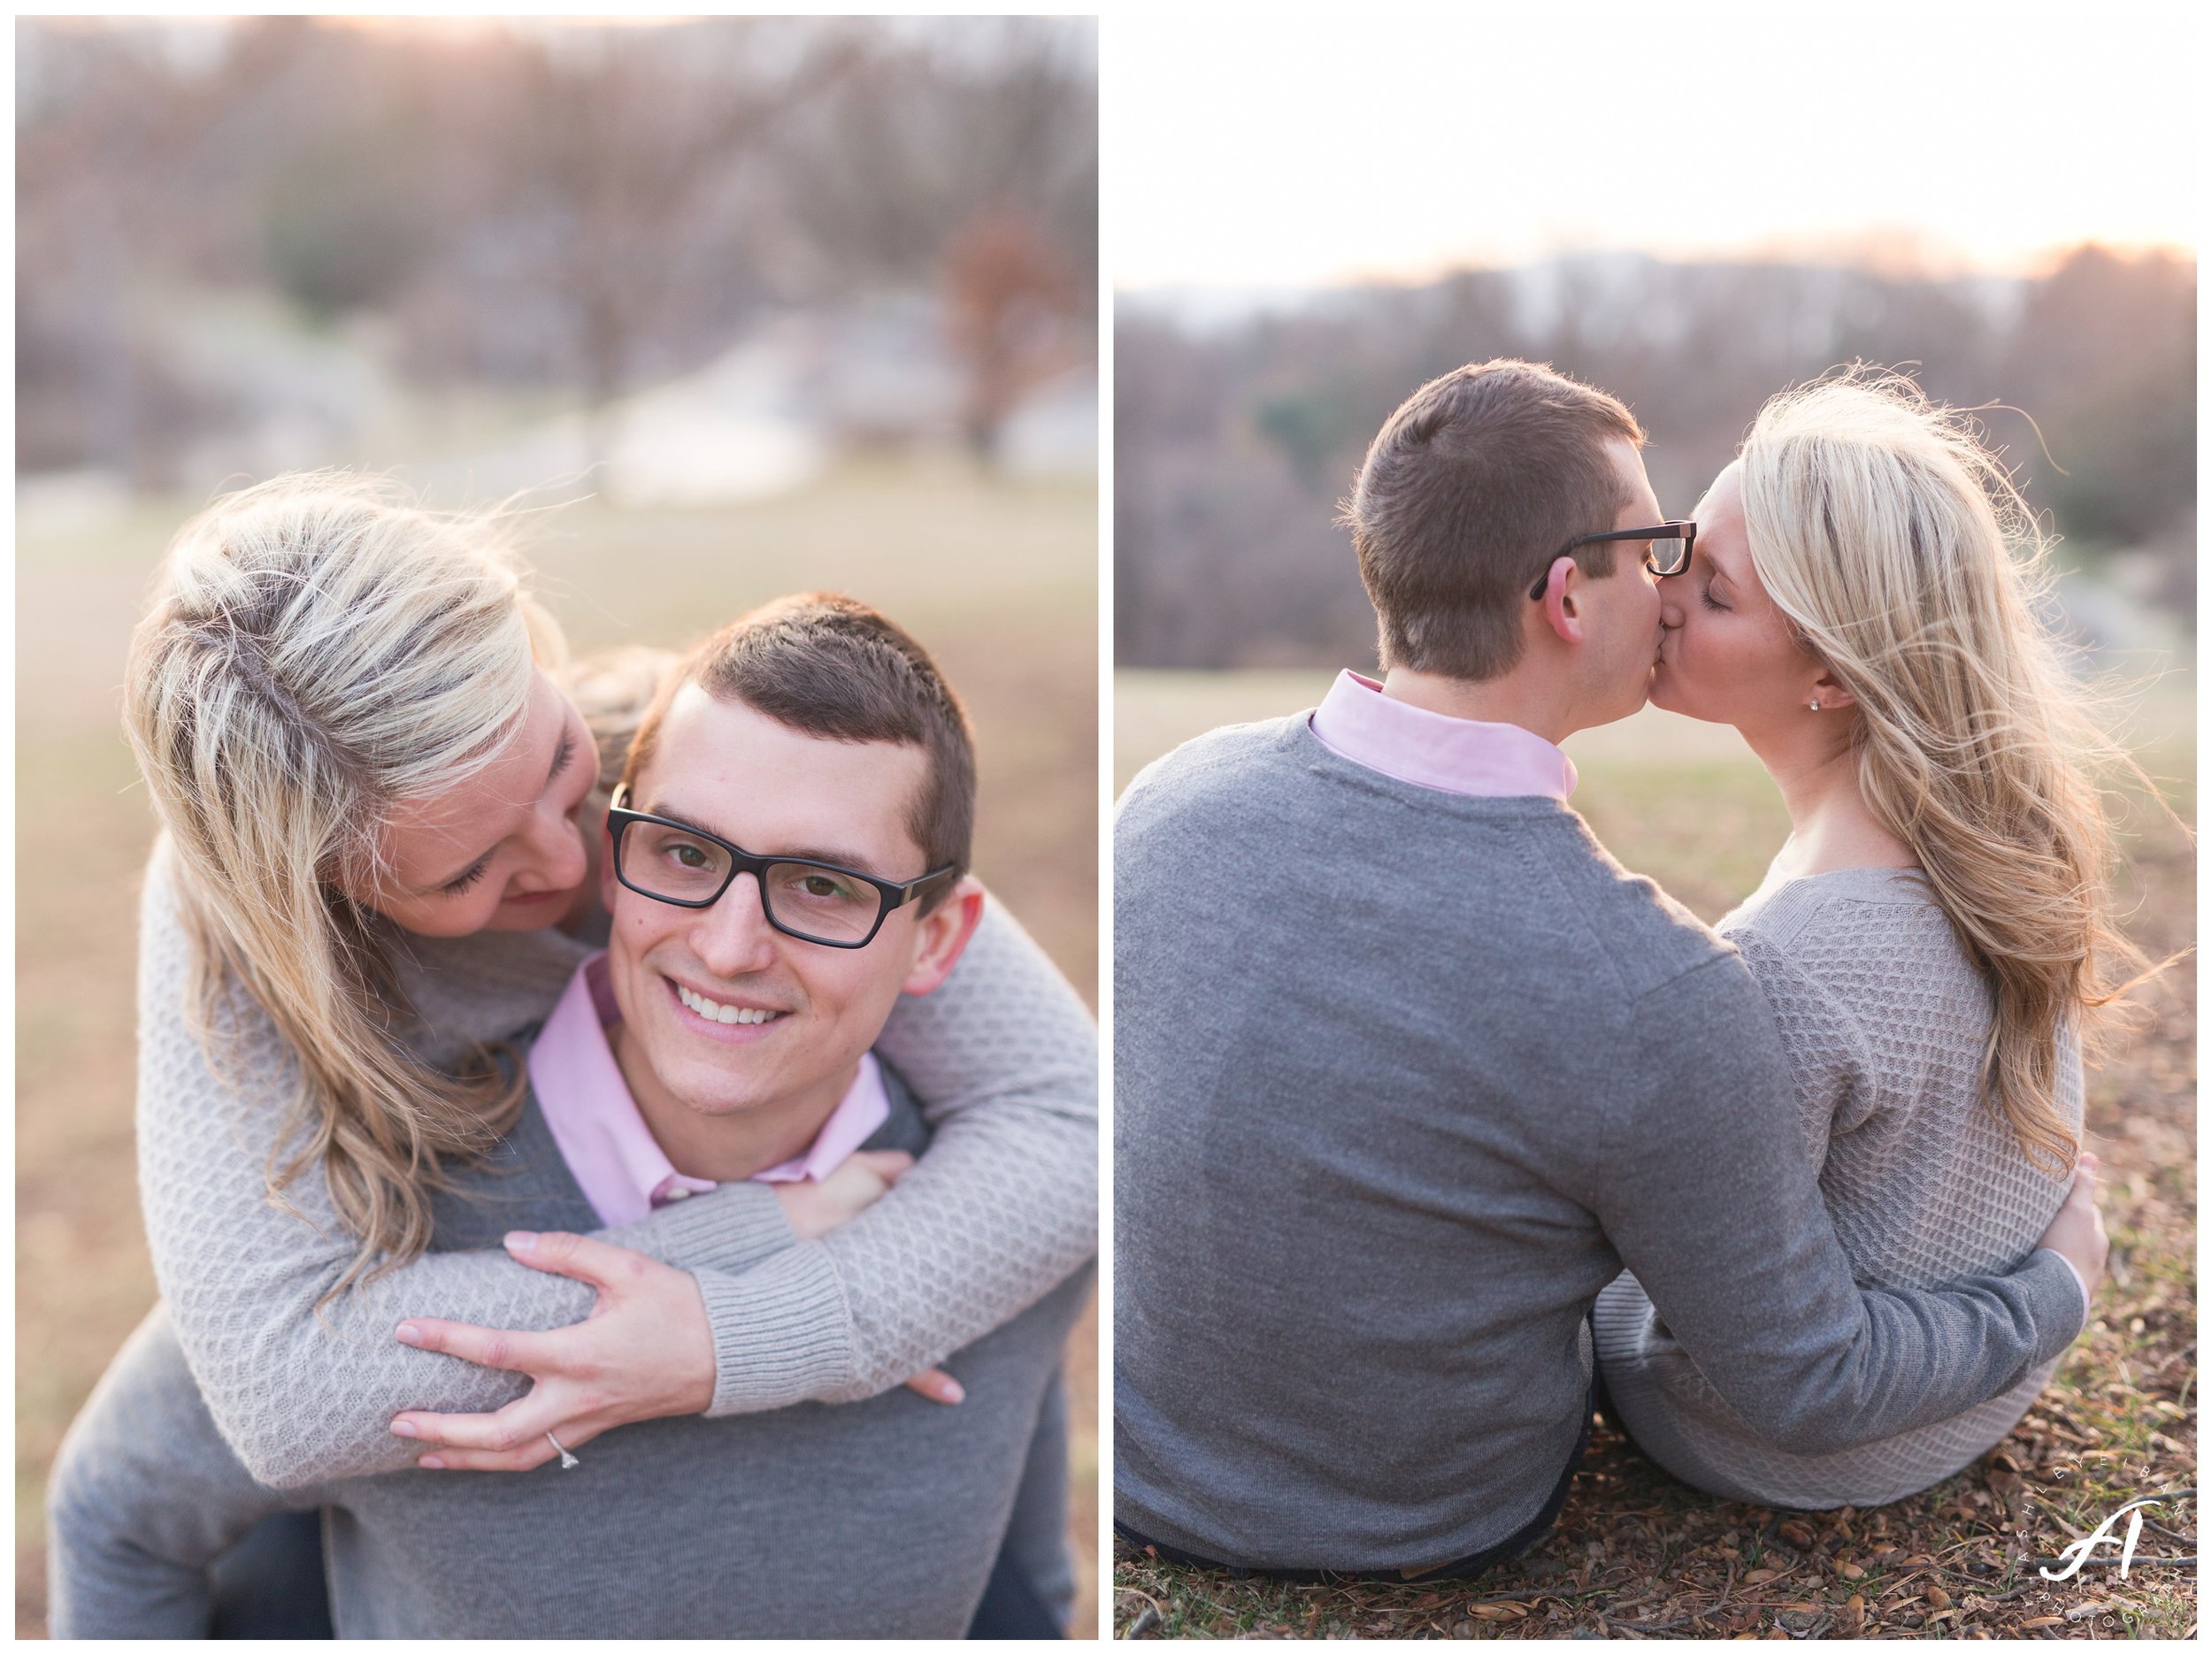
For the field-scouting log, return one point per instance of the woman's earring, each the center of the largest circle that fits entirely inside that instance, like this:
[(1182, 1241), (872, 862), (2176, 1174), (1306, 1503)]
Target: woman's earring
[(1812, 706)]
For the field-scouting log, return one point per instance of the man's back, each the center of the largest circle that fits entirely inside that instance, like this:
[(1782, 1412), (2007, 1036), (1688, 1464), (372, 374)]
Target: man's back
[(1365, 1048)]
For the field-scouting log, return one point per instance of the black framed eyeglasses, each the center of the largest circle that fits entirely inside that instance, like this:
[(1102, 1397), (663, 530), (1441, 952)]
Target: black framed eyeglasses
[(1668, 553), (815, 901)]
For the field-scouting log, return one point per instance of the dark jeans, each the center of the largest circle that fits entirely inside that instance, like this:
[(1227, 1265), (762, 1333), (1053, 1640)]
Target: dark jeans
[(1519, 1540), (270, 1585), (1011, 1607)]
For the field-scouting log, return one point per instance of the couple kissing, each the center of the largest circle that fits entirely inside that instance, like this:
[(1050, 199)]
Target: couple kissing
[(1436, 1131)]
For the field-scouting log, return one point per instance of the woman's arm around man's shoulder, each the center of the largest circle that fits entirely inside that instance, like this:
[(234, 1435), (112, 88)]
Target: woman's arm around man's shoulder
[(306, 1391)]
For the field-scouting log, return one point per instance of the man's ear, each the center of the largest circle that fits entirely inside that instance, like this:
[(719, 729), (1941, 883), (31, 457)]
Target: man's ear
[(1562, 599), (607, 881), (943, 936)]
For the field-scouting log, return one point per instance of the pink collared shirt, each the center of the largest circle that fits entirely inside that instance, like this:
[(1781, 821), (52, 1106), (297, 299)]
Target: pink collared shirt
[(612, 1152), (1455, 756)]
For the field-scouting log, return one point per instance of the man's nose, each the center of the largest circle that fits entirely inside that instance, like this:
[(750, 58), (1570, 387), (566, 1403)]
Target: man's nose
[(734, 937)]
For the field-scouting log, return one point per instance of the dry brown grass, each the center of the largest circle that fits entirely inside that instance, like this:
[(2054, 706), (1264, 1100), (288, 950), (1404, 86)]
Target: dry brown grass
[(1000, 582), (1636, 1553)]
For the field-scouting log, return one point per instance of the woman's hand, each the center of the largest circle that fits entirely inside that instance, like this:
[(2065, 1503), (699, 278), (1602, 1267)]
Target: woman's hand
[(644, 1352)]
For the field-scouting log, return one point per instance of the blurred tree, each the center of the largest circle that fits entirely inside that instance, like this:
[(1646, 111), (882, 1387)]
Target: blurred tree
[(618, 141), (967, 157), (1007, 296), (1312, 425), (344, 225), (940, 129), (107, 132), (2101, 357)]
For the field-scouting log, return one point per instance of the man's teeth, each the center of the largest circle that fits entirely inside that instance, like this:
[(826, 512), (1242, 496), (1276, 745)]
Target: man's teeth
[(718, 1012)]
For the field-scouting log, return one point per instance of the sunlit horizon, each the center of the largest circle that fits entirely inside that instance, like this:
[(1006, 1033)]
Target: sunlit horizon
[(1871, 250), (1313, 156)]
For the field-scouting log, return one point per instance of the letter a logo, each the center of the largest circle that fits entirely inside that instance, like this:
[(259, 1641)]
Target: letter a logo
[(2078, 1554)]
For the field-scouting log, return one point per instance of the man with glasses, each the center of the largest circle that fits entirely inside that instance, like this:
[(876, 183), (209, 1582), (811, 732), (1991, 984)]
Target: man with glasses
[(1407, 1068), (786, 856)]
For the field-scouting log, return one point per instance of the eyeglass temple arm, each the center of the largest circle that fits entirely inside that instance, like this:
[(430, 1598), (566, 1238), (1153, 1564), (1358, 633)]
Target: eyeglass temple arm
[(926, 884)]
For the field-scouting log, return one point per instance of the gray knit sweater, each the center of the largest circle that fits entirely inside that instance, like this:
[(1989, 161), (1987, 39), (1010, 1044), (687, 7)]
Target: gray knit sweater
[(1402, 1079), (1001, 1209), (1883, 1018), (878, 1518)]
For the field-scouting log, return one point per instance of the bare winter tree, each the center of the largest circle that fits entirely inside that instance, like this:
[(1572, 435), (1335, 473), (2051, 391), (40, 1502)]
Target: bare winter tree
[(111, 132), (619, 144), (1008, 298), (968, 159)]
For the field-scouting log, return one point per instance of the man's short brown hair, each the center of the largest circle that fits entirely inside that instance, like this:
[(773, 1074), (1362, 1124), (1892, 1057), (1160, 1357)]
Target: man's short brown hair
[(829, 666), (1468, 492)]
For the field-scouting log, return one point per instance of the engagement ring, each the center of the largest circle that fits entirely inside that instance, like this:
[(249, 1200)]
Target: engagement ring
[(567, 1459)]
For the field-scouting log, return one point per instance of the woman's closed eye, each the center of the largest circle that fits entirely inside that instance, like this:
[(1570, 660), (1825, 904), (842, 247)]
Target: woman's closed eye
[(1705, 596), (564, 755), (454, 887)]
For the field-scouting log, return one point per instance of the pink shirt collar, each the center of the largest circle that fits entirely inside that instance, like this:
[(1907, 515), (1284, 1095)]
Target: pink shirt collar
[(1455, 755), (612, 1152)]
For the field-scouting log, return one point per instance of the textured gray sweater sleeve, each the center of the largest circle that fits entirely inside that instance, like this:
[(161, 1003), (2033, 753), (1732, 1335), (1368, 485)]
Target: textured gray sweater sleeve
[(1002, 1207), (1703, 1187)]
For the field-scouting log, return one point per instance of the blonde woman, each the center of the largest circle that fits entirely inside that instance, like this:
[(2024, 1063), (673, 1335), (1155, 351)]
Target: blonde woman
[(351, 722), (1935, 931)]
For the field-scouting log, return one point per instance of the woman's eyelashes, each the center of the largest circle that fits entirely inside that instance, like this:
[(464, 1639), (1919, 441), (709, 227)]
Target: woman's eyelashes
[(1705, 596), (563, 756), (455, 887)]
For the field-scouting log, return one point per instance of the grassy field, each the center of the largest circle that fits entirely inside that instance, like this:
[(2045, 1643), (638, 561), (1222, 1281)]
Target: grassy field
[(999, 581), (1636, 1554)]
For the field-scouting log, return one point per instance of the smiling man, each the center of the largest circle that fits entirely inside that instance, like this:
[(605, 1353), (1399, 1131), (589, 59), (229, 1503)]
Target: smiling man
[(741, 1049), (787, 858)]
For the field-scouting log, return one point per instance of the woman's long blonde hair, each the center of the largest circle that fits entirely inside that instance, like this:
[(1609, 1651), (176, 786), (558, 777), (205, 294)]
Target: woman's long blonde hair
[(1902, 551), (318, 650)]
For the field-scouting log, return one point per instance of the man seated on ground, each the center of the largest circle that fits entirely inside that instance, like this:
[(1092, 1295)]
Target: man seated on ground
[(724, 1035)]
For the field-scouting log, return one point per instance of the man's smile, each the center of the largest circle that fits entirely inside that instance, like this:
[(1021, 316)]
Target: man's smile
[(726, 1019)]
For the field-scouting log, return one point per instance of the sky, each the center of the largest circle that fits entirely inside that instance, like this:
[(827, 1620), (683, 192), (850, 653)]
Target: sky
[(1294, 151)]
